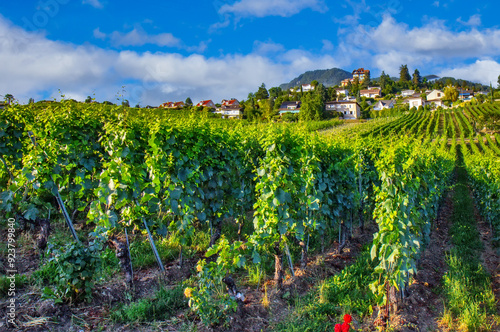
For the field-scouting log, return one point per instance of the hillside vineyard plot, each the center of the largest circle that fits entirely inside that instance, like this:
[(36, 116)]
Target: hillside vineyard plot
[(164, 175)]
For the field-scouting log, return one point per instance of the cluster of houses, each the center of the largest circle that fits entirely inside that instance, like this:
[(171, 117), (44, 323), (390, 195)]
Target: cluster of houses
[(345, 104), (350, 109), (173, 105), (229, 109)]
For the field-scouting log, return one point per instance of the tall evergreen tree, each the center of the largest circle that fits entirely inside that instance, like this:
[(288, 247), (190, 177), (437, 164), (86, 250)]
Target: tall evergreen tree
[(354, 87), (382, 80), (262, 93), (275, 92), (404, 74), (417, 79), (366, 80), (188, 101)]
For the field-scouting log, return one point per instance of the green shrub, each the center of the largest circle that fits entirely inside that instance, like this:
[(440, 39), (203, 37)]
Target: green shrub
[(162, 306), (76, 269), (19, 280), (143, 256)]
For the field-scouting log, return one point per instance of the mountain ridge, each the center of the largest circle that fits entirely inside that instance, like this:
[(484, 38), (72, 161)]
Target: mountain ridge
[(328, 77), (334, 76)]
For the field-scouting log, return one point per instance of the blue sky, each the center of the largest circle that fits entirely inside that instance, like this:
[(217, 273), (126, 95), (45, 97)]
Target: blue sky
[(157, 51)]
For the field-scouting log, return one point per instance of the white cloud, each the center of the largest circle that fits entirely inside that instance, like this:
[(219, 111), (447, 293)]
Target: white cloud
[(139, 37), (99, 34), (474, 21), (358, 7), (267, 47), (93, 3), (262, 8), (482, 71), (391, 44), (327, 45), (39, 67), (301, 61), (36, 63)]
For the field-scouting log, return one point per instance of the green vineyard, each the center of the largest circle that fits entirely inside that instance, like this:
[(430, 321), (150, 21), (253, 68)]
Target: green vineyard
[(241, 211)]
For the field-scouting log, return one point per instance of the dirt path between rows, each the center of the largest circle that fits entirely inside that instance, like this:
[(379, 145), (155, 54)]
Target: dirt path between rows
[(423, 307), (489, 257)]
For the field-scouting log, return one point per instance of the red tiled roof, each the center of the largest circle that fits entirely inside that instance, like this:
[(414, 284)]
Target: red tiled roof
[(229, 102), (167, 104), (204, 102), (360, 71)]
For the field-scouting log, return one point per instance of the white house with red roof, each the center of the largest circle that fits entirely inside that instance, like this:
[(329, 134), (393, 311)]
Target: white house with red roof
[(230, 109), (168, 104), (206, 103), (172, 105)]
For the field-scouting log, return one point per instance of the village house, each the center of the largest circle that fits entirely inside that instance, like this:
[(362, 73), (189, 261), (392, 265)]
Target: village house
[(289, 107), (172, 105), (435, 94), (465, 95), (230, 109), (383, 104), (415, 101), (360, 74), (350, 98), (370, 93), (407, 93), (206, 103), (434, 103), (340, 91), (345, 82), (307, 87), (348, 109)]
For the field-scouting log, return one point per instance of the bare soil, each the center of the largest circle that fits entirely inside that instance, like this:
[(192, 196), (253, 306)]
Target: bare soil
[(421, 310)]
